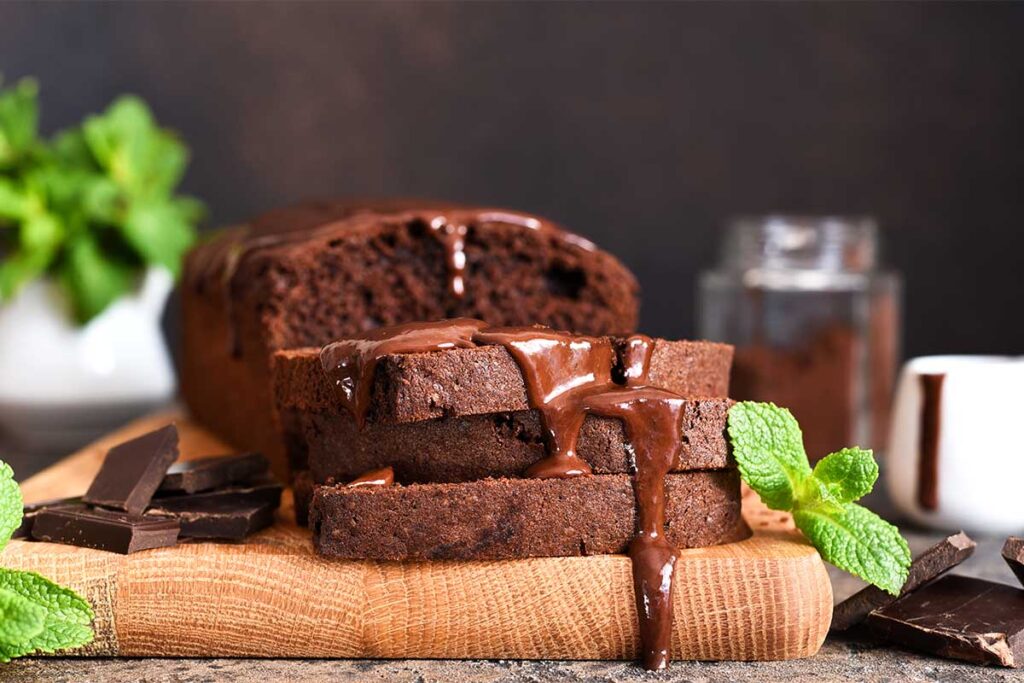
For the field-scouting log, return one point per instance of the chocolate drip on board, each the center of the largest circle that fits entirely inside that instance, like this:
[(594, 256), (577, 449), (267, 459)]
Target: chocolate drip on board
[(653, 420), (385, 476), (928, 441), (350, 363)]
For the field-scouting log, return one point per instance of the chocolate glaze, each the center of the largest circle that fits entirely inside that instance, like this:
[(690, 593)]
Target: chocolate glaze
[(449, 223), (566, 377), (928, 442), (350, 363), (452, 237), (557, 369), (385, 476), (635, 359)]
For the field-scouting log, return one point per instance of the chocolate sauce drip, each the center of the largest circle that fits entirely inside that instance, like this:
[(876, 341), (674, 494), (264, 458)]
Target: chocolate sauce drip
[(558, 369), (928, 441), (635, 359), (653, 420), (452, 237), (350, 363), (567, 377), (385, 476)]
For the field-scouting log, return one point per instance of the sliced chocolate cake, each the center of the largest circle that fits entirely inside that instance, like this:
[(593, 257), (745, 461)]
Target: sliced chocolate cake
[(313, 273), (464, 414)]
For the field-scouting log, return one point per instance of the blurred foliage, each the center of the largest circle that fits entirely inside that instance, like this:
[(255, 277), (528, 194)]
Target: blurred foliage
[(92, 206)]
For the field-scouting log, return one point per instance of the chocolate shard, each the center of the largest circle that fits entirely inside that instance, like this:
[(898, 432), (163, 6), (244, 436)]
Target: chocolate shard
[(264, 491), (1013, 553), (30, 511), (214, 472), (229, 516), (117, 532), (940, 558), (958, 617), (132, 471)]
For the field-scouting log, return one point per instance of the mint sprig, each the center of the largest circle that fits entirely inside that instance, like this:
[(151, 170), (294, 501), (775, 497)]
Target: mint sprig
[(36, 615), (768, 446), (91, 206)]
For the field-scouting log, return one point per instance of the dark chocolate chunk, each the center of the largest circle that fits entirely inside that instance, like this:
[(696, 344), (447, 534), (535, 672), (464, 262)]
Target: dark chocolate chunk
[(229, 516), (117, 532), (941, 557), (265, 491), (1013, 553), (958, 617), (132, 472), (214, 472), (32, 509)]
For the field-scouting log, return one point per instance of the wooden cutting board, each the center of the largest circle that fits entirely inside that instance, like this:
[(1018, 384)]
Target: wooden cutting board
[(768, 597)]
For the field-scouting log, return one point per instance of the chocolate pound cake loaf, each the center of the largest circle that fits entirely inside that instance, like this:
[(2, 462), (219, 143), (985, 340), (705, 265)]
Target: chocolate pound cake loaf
[(310, 274)]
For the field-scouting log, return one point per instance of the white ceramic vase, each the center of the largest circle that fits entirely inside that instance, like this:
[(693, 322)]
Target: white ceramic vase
[(62, 385)]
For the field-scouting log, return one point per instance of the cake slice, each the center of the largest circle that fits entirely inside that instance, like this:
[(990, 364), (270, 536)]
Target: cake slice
[(310, 274), (504, 444), (497, 519), (408, 387), (462, 414)]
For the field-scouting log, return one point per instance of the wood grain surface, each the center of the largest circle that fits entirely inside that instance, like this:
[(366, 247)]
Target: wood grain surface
[(768, 597)]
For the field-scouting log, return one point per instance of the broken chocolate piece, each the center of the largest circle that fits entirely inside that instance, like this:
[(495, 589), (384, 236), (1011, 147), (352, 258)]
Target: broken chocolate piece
[(229, 516), (958, 617), (265, 491), (940, 558), (214, 472), (1013, 553), (104, 529), (132, 471), (30, 511)]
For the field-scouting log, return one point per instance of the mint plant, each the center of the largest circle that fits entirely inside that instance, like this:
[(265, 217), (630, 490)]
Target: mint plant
[(768, 446), (36, 615), (93, 205)]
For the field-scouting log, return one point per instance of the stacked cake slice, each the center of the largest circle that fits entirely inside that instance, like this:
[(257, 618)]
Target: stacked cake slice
[(459, 430)]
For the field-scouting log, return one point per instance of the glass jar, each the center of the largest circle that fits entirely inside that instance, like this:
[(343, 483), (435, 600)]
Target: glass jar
[(814, 322)]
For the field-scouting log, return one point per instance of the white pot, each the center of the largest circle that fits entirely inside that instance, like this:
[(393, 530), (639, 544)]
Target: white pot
[(62, 385)]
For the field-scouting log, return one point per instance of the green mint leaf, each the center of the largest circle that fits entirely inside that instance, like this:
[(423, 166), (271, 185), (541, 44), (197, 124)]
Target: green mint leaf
[(848, 474), (92, 281), (858, 541), (11, 504), (144, 159), (13, 202), (20, 619), (19, 121), (161, 231), (68, 617), (768, 447)]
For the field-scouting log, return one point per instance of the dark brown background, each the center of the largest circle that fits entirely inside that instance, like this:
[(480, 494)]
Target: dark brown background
[(643, 126)]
